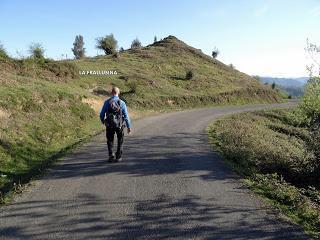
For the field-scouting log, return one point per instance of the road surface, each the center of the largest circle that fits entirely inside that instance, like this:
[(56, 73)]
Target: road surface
[(171, 185)]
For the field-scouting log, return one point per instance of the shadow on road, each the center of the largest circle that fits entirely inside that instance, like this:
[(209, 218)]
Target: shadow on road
[(147, 155), (87, 217)]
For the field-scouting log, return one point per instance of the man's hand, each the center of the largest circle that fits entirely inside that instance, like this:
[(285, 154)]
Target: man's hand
[(128, 130)]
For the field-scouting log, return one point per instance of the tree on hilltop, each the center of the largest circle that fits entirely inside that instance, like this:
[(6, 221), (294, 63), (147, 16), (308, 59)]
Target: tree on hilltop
[(36, 51), (108, 44), (78, 49), (136, 44)]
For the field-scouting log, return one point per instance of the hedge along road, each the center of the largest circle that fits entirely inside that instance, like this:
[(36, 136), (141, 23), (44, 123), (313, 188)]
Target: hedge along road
[(171, 185)]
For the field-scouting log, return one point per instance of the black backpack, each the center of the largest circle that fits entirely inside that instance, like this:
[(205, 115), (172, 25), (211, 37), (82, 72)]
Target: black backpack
[(114, 114)]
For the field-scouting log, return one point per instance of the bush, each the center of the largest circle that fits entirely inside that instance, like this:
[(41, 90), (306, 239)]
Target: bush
[(36, 51), (273, 86), (136, 44), (61, 69), (78, 49), (215, 53), (311, 101), (189, 75), (3, 53), (115, 55), (108, 44), (133, 86)]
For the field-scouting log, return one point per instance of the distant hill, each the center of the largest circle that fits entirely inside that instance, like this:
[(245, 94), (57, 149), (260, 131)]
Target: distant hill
[(289, 82), (293, 86)]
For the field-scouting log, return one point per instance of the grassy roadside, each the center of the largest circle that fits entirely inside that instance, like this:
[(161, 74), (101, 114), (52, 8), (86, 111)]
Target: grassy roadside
[(270, 150)]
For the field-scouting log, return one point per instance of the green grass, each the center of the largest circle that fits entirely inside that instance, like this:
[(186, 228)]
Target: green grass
[(41, 120), (271, 150), (44, 110)]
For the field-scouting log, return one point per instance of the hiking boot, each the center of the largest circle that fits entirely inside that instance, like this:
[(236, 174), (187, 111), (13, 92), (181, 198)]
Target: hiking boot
[(118, 158), (111, 158)]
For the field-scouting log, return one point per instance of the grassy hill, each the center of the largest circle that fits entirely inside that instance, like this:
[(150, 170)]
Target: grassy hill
[(46, 106), (155, 77)]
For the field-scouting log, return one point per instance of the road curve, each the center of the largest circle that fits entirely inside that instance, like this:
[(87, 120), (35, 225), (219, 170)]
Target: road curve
[(171, 185)]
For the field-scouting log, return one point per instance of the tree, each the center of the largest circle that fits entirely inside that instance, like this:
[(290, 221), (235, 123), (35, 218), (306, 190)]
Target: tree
[(155, 39), (310, 104), (36, 50), (78, 49), (311, 99), (215, 53), (273, 86), (136, 44), (108, 44), (313, 51), (121, 49)]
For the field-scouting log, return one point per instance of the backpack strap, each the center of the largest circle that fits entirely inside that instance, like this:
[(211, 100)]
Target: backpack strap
[(109, 101), (121, 116)]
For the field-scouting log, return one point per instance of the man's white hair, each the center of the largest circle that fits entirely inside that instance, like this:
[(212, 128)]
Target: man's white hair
[(115, 90)]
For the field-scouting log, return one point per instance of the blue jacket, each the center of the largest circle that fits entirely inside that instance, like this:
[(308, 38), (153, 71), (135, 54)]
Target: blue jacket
[(124, 110)]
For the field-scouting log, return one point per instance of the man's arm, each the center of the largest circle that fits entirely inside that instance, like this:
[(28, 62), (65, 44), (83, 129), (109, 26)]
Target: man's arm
[(103, 111), (126, 114)]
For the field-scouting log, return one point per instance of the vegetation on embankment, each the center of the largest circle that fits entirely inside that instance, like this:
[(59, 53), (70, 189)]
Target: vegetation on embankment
[(46, 106), (276, 152), (41, 116)]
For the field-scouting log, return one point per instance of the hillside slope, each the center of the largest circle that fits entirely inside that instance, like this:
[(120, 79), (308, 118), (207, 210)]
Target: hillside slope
[(46, 106), (155, 76)]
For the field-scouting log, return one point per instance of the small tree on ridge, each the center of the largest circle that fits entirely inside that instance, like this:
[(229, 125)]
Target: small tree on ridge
[(78, 49), (108, 44)]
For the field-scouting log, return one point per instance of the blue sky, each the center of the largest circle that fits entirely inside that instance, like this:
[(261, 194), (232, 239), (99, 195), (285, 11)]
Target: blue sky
[(261, 37)]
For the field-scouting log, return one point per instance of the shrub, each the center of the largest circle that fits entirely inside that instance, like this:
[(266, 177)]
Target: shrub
[(311, 101), (61, 69), (283, 149), (78, 49), (108, 44), (133, 86), (136, 44), (273, 86), (115, 55), (215, 53), (36, 51), (3, 53), (189, 75)]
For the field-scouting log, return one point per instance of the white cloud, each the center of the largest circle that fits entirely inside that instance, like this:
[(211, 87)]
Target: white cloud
[(261, 11)]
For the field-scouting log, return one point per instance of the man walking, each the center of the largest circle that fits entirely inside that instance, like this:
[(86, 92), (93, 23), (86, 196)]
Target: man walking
[(114, 115)]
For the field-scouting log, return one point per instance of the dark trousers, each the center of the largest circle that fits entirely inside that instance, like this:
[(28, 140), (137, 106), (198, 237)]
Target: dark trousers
[(110, 139)]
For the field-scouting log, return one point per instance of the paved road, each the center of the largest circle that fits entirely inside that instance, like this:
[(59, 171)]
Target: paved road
[(171, 186)]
